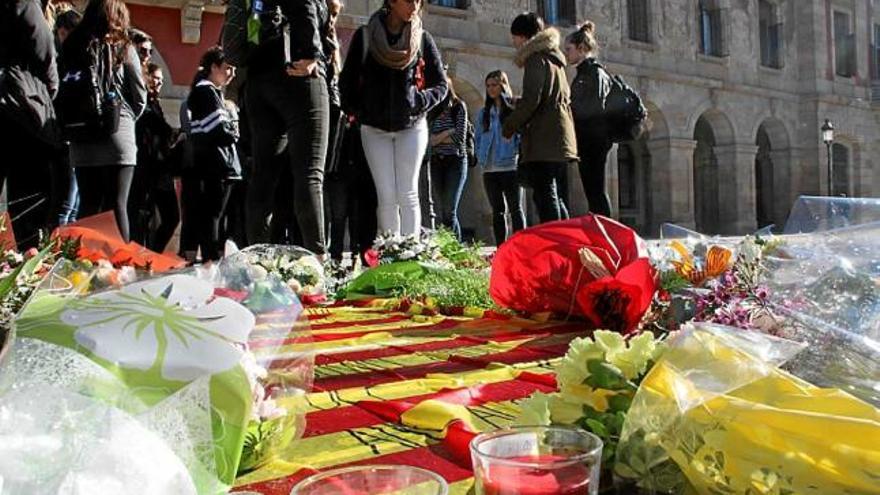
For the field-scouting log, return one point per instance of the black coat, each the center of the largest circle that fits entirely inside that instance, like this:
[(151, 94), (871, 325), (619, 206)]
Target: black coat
[(307, 20), (387, 98), (589, 89), (26, 41), (213, 129)]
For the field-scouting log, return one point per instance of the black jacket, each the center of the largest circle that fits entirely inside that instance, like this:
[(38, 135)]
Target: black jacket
[(387, 98), (26, 41), (306, 19), (589, 89), (213, 129)]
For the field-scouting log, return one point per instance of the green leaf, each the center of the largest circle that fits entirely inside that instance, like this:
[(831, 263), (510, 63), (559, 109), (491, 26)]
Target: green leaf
[(619, 402), (606, 375), (597, 428)]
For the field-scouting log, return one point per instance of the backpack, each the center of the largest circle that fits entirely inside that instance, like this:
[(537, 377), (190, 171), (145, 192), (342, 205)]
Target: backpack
[(240, 33), (624, 114), (243, 29), (470, 139), (89, 101)]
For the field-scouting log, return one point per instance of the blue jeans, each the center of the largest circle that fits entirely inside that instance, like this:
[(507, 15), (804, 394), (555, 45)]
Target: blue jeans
[(448, 176), (70, 204)]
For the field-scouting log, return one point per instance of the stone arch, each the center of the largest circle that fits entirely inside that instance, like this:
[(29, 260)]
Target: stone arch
[(635, 174), (722, 127), (772, 172)]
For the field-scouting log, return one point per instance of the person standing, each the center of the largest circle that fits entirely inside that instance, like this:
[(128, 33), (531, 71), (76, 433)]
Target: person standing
[(288, 111), (104, 165), (392, 77), (65, 179), (542, 115), (154, 182), (449, 158), (213, 130), (589, 89), (498, 156)]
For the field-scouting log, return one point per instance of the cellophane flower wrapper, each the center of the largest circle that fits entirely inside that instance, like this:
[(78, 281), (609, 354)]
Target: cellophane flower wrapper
[(716, 414), (825, 292), (151, 371)]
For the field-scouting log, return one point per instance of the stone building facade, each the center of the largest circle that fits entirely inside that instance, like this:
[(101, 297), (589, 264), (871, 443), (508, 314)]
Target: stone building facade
[(737, 92)]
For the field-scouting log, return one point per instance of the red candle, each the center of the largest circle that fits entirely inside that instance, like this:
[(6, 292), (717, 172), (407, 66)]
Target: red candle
[(503, 479)]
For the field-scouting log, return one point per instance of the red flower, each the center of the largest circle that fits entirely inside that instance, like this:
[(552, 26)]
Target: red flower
[(371, 256), (618, 303)]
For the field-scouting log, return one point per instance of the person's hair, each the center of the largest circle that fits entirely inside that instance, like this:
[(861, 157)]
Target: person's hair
[(506, 95), (214, 56), (386, 4), (67, 20), (584, 38), (527, 25), (137, 36), (106, 20), (153, 67)]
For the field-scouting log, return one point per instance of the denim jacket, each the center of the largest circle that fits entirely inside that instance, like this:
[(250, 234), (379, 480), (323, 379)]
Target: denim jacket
[(504, 151)]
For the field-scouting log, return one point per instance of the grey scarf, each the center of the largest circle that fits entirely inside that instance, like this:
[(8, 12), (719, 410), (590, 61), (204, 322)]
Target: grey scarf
[(403, 53)]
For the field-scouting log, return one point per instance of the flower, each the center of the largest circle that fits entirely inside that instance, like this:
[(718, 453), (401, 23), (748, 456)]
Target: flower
[(170, 324), (618, 302)]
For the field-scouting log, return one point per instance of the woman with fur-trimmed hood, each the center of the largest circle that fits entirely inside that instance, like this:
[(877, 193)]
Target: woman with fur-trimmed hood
[(543, 114)]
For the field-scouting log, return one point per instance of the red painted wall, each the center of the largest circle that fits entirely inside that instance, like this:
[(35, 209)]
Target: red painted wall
[(163, 24)]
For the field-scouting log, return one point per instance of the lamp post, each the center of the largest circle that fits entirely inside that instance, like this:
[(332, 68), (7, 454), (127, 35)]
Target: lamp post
[(828, 139)]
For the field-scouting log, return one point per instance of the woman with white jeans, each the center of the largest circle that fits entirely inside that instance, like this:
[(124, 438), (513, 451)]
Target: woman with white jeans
[(393, 76)]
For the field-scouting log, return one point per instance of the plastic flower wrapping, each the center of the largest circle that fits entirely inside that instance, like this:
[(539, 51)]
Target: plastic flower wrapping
[(158, 385), (717, 414)]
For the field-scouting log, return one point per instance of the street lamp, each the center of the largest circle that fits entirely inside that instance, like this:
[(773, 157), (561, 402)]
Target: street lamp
[(828, 139)]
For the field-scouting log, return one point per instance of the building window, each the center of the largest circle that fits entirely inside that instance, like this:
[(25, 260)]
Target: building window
[(844, 45), (454, 4), (771, 35), (840, 159), (638, 20), (558, 12), (711, 30)]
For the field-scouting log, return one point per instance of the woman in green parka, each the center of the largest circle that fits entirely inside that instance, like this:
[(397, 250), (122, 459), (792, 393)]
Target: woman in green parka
[(543, 114)]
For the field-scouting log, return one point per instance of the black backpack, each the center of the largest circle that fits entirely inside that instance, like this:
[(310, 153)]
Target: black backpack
[(624, 114), (89, 101)]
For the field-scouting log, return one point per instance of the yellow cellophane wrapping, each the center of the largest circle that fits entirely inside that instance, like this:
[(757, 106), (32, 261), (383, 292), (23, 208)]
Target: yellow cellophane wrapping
[(734, 423)]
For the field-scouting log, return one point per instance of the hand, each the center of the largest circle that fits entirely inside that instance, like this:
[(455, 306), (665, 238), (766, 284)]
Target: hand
[(303, 68)]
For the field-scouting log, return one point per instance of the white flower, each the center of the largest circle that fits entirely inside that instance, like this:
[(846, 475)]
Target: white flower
[(127, 274), (408, 254), (258, 273), (268, 409), (166, 324)]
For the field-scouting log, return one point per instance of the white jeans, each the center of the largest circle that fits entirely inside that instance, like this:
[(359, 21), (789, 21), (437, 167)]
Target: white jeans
[(395, 159)]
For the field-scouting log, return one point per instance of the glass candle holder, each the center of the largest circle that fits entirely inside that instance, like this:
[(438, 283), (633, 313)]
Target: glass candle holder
[(373, 480), (537, 461)]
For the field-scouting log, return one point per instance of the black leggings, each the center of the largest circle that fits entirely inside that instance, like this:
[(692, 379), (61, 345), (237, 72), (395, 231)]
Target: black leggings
[(593, 153), (105, 187), (206, 197), (288, 116)]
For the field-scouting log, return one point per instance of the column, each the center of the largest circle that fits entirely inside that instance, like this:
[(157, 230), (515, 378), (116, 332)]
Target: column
[(736, 188), (672, 182)]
